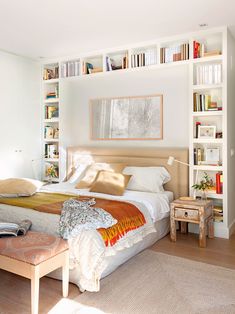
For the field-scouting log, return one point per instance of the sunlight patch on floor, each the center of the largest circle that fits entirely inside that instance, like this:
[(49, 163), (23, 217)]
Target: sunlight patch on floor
[(72, 307)]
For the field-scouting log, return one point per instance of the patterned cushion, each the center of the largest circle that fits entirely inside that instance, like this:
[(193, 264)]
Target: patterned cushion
[(33, 248)]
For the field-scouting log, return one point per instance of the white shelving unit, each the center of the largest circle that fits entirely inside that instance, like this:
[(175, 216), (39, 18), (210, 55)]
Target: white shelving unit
[(51, 121), (213, 39)]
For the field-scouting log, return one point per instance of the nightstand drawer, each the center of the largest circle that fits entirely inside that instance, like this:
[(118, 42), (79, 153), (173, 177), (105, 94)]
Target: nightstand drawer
[(189, 214)]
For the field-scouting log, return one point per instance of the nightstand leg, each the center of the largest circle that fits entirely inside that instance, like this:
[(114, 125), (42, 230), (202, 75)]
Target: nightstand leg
[(211, 228), (173, 230), (202, 233), (183, 227)]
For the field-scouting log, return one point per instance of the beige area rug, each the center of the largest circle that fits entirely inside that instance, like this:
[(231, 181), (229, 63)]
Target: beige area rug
[(156, 283)]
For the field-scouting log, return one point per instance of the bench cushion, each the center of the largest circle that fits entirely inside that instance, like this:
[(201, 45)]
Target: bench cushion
[(33, 248)]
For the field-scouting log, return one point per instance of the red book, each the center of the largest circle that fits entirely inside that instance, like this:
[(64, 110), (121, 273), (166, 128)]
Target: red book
[(219, 183)]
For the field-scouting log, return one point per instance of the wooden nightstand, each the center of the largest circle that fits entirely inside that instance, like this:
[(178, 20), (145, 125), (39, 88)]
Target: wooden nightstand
[(196, 211)]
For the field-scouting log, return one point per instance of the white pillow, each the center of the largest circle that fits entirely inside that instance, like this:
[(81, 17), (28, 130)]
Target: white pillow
[(78, 173), (147, 179)]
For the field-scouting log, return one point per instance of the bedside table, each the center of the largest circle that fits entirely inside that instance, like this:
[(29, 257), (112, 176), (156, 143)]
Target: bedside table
[(198, 212)]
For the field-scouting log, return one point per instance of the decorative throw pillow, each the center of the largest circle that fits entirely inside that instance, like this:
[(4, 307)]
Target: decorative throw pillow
[(108, 182), (147, 179), (16, 187), (91, 173)]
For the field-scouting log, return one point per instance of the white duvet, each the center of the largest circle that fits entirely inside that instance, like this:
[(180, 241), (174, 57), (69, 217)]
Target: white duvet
[(87, 251)]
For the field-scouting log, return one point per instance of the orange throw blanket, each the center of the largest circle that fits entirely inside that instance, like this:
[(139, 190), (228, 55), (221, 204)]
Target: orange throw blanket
[(129, 217)]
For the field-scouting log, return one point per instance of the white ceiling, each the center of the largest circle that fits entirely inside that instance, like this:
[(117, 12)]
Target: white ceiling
[(52, 28)]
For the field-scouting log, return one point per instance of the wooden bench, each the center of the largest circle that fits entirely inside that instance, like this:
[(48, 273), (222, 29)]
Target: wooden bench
[(34, 256)]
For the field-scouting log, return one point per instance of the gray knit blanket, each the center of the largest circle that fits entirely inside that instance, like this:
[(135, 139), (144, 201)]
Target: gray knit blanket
[(80, 215)]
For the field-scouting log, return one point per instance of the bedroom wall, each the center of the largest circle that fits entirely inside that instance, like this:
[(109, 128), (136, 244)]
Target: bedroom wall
[(19, 115), (171, 82)]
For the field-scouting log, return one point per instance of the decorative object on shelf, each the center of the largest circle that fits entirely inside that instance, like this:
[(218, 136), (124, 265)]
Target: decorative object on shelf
[(51, 112), (130, 118), (219, 134), (48, 132), (206, 131), (204, 185), (51, 172), (51, 73), (199, 51), (212, 156), (56, 133)]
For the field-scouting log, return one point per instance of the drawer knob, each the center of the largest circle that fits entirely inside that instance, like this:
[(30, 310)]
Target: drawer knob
[(186, 214)]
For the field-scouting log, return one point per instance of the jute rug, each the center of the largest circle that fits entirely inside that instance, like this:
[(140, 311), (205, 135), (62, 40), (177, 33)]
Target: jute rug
[(156, 283)]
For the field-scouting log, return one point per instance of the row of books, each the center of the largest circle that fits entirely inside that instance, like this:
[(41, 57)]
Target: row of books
[(51, 73), (149, 57), (209, 74), (71, 68), (112, 65), (50, 132), (51, 112), (199, 51), (218, 213), (51, 151), (88, 68), (202, 102), (173, 54)]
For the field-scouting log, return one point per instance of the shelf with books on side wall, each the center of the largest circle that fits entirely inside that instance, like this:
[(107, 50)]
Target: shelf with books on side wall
[(92, 65), (71, 68), (143, 56), (50, 123), (118, 60), (174, 51), (208, 46), (208, 131)]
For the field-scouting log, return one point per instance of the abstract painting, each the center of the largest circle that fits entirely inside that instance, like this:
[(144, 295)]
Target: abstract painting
[(133, 118)]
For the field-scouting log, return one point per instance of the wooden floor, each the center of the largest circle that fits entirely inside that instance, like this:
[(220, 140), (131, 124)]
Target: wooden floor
[(15, 290)]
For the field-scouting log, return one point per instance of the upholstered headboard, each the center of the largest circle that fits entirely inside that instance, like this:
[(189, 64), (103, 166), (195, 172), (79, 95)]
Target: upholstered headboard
[(137, 157)]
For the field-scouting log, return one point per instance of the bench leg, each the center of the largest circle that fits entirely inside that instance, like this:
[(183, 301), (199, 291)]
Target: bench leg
[(34, 290), (65, 276)]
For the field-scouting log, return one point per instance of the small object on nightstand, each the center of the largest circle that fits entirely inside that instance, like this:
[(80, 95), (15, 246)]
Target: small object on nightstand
[(194, 211), (186, 198)]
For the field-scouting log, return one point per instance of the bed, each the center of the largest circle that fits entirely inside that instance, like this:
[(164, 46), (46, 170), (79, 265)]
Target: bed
[(88, 262)]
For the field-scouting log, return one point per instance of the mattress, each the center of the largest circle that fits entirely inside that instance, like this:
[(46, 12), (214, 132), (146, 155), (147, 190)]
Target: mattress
[(90, 260)]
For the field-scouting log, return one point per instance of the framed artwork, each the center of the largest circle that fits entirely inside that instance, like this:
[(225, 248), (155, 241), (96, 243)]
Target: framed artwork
[(127, 118), (206, 131)]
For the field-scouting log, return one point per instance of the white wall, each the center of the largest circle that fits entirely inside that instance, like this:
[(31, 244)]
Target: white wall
[(19, 115), (171, 82)]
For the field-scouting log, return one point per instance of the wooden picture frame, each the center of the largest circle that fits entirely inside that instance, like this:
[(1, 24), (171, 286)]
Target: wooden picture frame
[(206, 131), (127, 118)]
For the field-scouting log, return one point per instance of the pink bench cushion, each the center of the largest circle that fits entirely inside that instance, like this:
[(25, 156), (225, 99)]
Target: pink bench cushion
[(33, 248)]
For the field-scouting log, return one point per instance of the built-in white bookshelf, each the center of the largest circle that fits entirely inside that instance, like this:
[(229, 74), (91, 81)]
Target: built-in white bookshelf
[(212, 59), (50, 121)]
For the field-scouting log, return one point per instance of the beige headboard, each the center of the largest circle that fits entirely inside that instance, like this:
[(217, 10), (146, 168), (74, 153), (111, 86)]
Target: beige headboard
[(137, 157)]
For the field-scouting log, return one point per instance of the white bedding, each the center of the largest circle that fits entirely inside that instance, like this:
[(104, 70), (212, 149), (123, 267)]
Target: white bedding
[(87, 251)]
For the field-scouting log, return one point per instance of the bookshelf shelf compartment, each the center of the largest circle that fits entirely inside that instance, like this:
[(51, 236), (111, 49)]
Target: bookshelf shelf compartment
[(209, 141), (208, 168)]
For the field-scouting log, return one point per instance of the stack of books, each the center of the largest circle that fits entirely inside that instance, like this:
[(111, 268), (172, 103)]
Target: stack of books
[(218, 213), (198, 154), (71, 68), (111, 65), (199, 51), (176, 53), (51, 73), (51, 112), (149, 57), (209, 74), (202, 102), (51, 95)]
